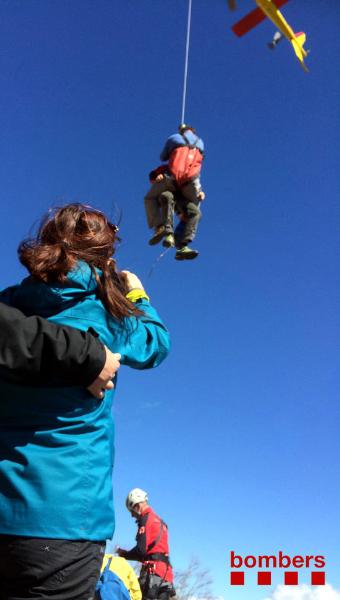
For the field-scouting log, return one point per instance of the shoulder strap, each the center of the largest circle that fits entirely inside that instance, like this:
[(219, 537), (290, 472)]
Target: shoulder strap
[(187, 143), (153, 544)]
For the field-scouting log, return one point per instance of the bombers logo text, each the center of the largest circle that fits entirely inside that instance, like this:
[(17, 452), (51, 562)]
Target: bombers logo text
[(265, 563)]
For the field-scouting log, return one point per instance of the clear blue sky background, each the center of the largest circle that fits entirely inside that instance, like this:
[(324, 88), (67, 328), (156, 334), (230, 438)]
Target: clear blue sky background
[(236, 435)]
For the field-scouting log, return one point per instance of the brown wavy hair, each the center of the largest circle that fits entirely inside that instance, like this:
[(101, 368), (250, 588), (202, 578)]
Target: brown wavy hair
[(73, 233)]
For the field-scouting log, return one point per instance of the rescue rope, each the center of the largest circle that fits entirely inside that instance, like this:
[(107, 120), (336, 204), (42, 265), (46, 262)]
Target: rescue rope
[(154, 264), (186, 62)]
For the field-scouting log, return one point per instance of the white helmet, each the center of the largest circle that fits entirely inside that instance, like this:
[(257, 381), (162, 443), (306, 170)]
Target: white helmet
[(134, 497)]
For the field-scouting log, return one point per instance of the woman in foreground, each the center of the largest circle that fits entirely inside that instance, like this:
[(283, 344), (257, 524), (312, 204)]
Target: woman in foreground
[(57, 445)]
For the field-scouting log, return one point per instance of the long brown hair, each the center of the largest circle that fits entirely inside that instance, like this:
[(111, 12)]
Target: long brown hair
[(72, 233)]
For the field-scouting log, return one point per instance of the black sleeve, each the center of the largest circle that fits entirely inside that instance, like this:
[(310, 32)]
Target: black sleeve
[(34, 351), (138, 552), (161, 170), (133, 554)]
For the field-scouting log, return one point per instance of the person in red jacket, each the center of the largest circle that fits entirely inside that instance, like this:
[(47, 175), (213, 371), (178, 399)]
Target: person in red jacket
[(152, 549)]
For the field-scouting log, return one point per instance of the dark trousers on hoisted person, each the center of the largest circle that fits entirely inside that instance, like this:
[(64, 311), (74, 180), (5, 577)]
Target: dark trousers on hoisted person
[(158, 204), (160, 212), (190, 215)]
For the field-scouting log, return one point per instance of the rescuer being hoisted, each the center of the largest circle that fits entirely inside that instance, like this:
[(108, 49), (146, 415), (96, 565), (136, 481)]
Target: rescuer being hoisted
[(176, 186), (152, 549)]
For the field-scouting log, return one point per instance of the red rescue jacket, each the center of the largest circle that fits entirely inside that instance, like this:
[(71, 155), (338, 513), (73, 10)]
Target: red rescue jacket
[(152, 544)]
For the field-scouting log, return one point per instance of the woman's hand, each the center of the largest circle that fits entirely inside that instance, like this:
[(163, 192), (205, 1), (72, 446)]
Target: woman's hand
[(131, 281), (104, 380)]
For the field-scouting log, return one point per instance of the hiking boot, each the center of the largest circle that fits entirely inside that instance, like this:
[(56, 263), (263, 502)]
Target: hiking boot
[(169, 241), (158, 235), (186, 253)]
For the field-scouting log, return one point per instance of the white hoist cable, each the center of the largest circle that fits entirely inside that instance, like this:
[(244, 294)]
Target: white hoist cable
[(186, 62)]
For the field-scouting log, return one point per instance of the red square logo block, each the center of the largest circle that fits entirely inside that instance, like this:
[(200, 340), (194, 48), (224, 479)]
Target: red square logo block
[(237, 578), (291, 578), (264, 578), (318, 578)]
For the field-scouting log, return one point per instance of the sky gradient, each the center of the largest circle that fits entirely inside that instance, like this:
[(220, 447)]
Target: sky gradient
[(236, 435)]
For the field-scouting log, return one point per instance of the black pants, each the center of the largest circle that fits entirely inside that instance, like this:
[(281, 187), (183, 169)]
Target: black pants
[(48, 568), (167, 205), (152, 199), (162, 595), (192, 214), (154, 587), (190, 210)]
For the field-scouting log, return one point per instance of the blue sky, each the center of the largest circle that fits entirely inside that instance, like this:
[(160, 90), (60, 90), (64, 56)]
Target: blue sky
[(235, 436)]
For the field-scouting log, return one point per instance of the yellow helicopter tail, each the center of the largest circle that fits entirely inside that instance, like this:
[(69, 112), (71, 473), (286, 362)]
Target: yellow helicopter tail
[(297, 42)]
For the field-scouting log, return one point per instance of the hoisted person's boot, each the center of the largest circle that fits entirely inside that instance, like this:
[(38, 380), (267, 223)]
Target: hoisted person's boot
[(158, 235), (169, 241), (186, 253)]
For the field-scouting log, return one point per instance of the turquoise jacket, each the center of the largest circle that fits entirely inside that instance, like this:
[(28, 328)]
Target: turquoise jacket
[(57, 444)]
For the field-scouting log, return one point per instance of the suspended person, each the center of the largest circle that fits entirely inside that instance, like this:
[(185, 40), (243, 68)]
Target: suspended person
[(184, 153), (277, 37), (160, 209), (152, 549), (57, 445)]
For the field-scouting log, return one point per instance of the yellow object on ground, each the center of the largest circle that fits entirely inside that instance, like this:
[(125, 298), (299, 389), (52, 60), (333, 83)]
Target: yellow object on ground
[(125, 572)]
